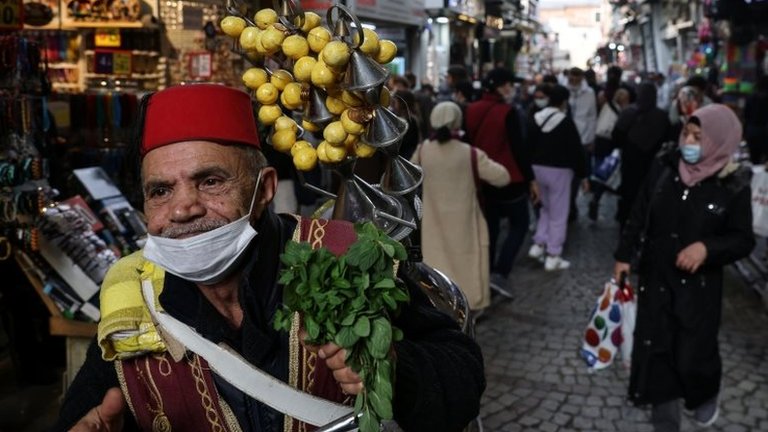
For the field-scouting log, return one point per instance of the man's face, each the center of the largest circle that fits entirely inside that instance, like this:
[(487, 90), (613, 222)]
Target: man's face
[(196, 186), (575, 80), (507, 91)]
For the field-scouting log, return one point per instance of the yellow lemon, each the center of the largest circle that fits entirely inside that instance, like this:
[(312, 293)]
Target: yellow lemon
[(335, 153), (302, 69), (295, 46), (291, 96), (364, 150), (311, 20), (309, 126), (370, 45), (351, 126), (334, 133), (305, 159), (283, 140), (248, 38), (335, 106), (351, 99), (280, 78), (350, 142), (265, 17), (318, 38), (285, 122), (232, 26), (336, 54), (272, 39), (254, 77), (298, 145), (321, 152), (268, 114), (322, 75), (385, 97), (387, 51), (267, 94)]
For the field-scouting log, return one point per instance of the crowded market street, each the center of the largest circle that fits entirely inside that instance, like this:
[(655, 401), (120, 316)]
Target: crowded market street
[(538, 382)]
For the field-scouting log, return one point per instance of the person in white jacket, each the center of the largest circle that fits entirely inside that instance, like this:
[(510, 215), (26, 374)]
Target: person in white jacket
[(583, 111)]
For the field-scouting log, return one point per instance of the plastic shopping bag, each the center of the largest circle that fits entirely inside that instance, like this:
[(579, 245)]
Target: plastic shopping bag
[(608, 170), (610, 327), (760, 201)]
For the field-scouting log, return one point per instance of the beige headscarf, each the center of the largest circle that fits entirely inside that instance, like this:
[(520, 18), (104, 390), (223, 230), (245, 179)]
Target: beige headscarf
[(720, 138), (446, 114)]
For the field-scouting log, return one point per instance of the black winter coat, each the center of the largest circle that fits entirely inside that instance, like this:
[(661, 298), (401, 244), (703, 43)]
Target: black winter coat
[(675, 353)]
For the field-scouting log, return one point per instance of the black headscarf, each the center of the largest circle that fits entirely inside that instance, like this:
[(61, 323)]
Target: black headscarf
[(644, 125)]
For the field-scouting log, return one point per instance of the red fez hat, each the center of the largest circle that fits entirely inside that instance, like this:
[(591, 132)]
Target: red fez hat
[(199, 112)]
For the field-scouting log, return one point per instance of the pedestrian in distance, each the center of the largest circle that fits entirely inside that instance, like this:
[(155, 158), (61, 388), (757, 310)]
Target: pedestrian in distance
[(557, 158), (495, 126), (211, 264), (454, 236), (692, 218), (583, 110)]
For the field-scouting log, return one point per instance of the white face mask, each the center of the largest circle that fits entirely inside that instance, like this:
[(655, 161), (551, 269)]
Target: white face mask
[(541, 102), (206, 258)]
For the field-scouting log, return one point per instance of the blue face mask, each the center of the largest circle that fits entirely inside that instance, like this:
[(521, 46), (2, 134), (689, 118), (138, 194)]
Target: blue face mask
[(691, 153)]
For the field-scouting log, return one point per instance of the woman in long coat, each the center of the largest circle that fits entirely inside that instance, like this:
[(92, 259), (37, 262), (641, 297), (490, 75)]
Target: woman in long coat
[(692, 217), (454, 234)]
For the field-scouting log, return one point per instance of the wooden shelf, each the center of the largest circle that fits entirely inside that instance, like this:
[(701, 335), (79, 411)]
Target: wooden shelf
[(63, 65), (71, 24), (60, 326)]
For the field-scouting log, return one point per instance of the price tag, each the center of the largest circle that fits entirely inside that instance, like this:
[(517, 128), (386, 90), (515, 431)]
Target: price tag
[(107, 38), (121, 63), (200, 65), (11, 14)]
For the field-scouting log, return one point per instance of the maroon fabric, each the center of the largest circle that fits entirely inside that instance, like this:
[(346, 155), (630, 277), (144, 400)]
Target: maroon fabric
[(486, 127), (161, 390)]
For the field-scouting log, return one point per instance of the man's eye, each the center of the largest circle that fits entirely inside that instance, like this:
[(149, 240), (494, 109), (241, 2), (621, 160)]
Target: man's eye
[(159, 192), (211, 181)]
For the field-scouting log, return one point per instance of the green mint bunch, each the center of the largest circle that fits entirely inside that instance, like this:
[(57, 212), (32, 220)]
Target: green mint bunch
[(349, 300)]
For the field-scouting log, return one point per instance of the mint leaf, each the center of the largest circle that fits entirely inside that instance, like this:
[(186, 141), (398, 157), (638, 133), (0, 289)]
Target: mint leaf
[(363, 326)]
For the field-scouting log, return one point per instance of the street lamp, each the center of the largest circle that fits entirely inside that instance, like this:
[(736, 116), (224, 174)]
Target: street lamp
[(612, 46)]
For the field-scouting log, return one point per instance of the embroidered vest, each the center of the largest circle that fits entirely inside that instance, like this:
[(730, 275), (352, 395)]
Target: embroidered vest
[(166, 395)]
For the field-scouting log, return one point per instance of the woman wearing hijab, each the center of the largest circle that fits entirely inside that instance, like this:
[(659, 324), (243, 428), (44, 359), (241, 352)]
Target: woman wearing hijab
[(692, 218), (639, 133), (454, 233)]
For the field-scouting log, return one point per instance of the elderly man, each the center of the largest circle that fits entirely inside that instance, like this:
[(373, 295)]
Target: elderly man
[(211, 262)]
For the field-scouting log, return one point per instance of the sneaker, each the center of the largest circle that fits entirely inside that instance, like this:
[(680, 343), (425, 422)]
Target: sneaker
[(706, 414), (536, 252), (555, 262), (499, 286)]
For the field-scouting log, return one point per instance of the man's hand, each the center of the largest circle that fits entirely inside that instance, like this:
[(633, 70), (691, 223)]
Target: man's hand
[(692, 257), (534, 191), (618, 269), (106, 417), (335, 359)]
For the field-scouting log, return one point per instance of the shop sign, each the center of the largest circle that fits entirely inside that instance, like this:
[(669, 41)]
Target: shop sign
[(200, 65), (107, 38), (112, 62), (11, 14), (396, 11)]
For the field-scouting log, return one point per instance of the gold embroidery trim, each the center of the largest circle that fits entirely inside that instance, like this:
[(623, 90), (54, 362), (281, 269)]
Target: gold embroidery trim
[(317, 232), (124, 386), (205, 398), (293, 344), (160, 422), (229, 416)]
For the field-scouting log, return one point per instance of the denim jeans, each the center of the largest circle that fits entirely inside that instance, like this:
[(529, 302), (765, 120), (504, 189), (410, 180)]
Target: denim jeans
[(516, 213)]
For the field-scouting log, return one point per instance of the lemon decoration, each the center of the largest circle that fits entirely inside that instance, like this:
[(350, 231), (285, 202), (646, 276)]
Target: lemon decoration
[(253, 78), (302, 69), (363, 150), (336, 54), (370, 45), (285, 122), (280, 78), (291, 96), (387, 51), (268, 114), (335, 106), (283, 140), (267, 94), (265, 17), (334, 133), (295, 46), (351, 126), (305, 159), (311, 20), (248, 37), (309, 126), (232, 26), (318, 38), (322, 75), (298, 145)]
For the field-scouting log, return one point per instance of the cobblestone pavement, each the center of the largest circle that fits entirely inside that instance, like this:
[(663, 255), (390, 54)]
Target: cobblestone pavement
[(537, 381)]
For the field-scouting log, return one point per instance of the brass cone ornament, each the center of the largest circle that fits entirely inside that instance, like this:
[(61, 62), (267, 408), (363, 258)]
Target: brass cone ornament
[(385, 128), (363, 72), (400, 175)]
